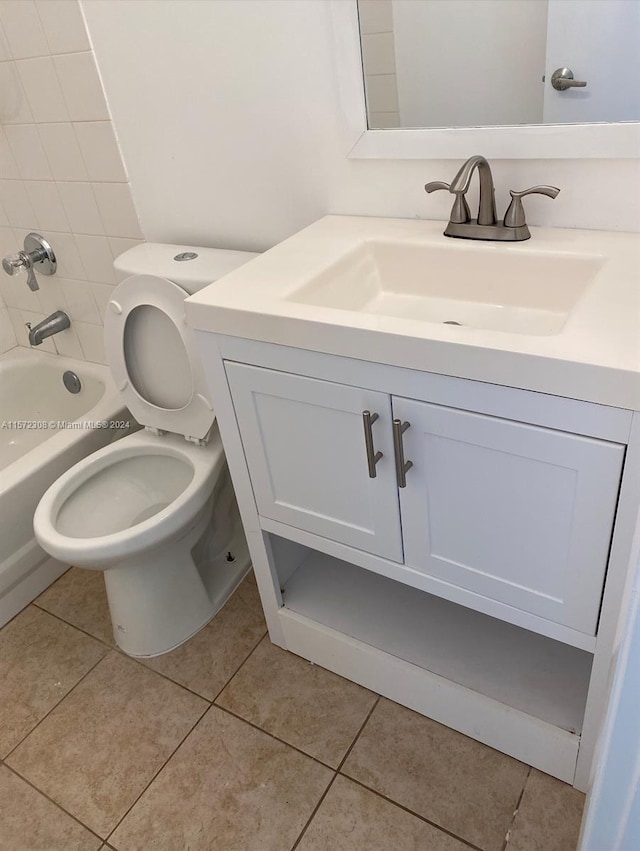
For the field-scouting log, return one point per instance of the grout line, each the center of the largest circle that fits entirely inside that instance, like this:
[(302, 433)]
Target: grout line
[(313, 814), (515, 812), (55, 706), (158, 772), (160, 674), (342, 761), (52, 801), (75, 626), (413, 813), (272, 736), (359, 733), (240, 666)]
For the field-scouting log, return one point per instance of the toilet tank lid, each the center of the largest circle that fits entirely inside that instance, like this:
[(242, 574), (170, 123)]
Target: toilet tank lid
[(192, 273)]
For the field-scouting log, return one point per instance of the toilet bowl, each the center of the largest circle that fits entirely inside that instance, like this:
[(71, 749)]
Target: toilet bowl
[(152, 510)]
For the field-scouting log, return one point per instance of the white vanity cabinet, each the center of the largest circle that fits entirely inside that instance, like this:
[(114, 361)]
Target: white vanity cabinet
[(483, 590), (506, 517), (303, 440)]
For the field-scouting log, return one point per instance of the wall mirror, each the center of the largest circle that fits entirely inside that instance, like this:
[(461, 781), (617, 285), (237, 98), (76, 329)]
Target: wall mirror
[(513, 78)]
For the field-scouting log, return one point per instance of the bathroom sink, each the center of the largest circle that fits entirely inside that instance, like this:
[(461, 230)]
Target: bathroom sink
[(496, 288)]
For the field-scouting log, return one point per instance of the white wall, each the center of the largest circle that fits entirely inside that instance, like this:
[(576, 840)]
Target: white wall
[(229, 122), (61, 174), (470, 63)]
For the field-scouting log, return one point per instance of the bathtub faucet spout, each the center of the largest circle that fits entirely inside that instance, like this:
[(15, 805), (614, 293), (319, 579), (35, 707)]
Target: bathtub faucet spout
[(58, 321)]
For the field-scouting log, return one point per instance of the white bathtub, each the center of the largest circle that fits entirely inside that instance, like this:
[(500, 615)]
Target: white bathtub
[(33, 456)]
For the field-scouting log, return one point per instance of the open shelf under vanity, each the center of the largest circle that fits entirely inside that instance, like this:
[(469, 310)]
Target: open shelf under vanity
[(510, 687)]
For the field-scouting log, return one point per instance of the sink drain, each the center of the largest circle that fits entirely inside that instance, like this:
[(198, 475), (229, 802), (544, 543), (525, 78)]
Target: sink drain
[(451, 322)]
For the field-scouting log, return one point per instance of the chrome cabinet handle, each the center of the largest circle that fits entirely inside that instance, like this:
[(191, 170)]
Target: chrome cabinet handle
[(562, 79), (373, 457), (402, 466)]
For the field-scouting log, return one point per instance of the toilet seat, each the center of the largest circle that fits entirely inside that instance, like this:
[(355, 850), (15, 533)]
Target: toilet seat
[(153, 358), (204, 463)]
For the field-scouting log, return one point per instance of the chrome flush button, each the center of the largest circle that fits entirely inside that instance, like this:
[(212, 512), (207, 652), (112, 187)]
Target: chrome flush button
[(185, 255)]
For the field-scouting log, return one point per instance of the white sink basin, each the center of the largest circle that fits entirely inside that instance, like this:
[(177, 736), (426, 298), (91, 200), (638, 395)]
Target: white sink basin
[(497, 288)]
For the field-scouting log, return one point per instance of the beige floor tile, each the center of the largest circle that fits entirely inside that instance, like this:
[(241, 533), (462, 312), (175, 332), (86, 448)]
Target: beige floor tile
[(229, 787), (41, 660), (549, 816), (30, 822), (79, 597), (208, 660), (98, 749), (248, 593), (303, 704), (353, 819), (456, 782)]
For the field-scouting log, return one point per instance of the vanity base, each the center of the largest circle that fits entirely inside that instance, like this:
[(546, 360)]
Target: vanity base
[(461, 668)]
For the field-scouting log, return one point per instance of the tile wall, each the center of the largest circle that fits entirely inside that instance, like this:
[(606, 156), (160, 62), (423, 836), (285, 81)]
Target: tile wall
[(378, 56), (61, 174)]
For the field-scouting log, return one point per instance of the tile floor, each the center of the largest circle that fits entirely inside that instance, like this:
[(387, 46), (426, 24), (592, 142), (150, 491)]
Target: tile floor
[(231, 744)]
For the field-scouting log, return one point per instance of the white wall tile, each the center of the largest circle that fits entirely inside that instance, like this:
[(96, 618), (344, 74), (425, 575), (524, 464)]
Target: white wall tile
[(19, 319), (17, 294), (382, 92), (47, 82), (62, 150), (80, 301), (17, 205), (47, 205), (28, 152), (14, 106), (42, 89), (82, 88), (63, 25), (119, 245), (381, 120), (51, 294), (23, 29), (101, 295), (116, 209), (378, 53), (80, 206), (7, 240), (97, 258), (67, 255), (375, 16), (67, 344), (100, 151), (8, 165), (92, 341), (7, 334), (5, 50)]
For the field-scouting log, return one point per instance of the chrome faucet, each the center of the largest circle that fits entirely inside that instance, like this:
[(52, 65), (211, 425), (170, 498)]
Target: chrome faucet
[(512, 229), (37, 255), (58, 321)]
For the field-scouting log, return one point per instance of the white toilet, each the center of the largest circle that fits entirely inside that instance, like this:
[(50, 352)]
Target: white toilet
[(155, 510)]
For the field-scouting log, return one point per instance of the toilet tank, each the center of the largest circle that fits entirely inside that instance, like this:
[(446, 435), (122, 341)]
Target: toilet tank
[(191, 267)]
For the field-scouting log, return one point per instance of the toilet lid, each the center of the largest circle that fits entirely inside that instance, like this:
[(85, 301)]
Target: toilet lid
[(152, 355)]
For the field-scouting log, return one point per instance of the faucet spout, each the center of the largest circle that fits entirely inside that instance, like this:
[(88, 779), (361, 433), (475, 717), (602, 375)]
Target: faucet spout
[(58, 321), (460, 184)]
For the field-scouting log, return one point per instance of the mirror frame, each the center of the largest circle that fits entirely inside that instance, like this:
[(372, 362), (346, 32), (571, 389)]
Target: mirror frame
[(532, 141)]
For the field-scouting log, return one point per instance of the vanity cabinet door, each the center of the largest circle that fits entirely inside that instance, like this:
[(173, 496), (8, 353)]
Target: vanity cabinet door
[(304, 443), (513, 512)]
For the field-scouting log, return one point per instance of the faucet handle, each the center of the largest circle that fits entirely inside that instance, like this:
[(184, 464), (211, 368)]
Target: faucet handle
[(514, 217), (460, 212)]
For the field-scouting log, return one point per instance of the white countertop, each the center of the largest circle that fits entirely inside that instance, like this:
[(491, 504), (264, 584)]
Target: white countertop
[(595, 357)]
